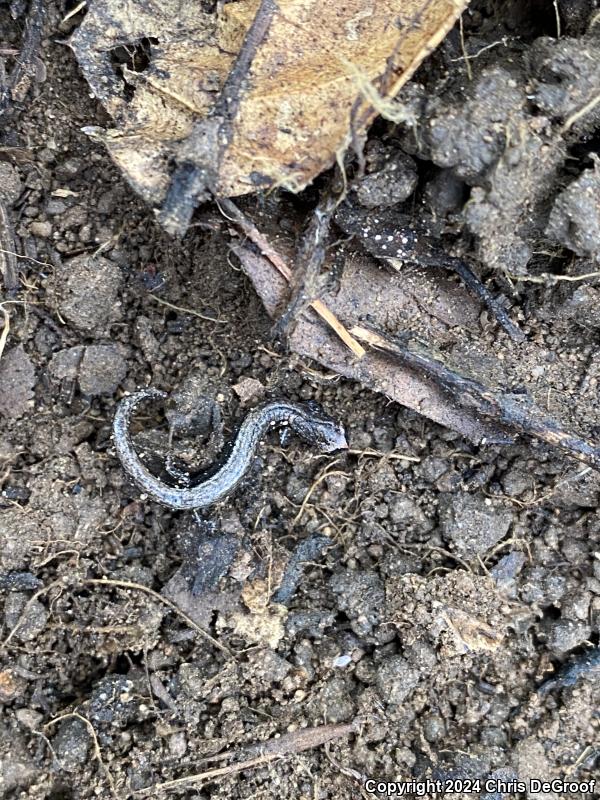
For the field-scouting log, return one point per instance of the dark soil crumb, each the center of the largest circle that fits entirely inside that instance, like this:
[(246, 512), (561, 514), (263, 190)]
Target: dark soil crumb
[(419, 587)]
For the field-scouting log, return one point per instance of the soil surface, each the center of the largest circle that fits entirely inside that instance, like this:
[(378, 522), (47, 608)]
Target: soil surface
[(434, 603)]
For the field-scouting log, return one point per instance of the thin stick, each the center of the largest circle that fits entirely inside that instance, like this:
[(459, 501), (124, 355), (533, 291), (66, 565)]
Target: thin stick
[(483, 400), (229, 98), (557, 15), (210, 774), (368, 453), (328, 473), (589, 106), (234, 214), (27, 258), (309, 260), (74, 11), (464, 49), (472, 282), (271, 750), (195, 181), (548, 279), (5, 329)]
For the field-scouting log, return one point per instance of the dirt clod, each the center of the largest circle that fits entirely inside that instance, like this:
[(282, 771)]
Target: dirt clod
[(102, 369), (87, 289), (575, 217), (72, 744), (471, 526), (17, 379)]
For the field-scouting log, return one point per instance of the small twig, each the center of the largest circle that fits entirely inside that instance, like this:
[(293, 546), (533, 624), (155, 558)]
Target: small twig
[(228, 101), (74, 11), (210, 774), (186, 310), (97, 751), (548, 279), (368, 453), (310, 257), (327, 473), (557, 16), (233, 213), (464, 49), (472, 282), (271, 750), (504, 40), (195, 178), (471, 394), (27, 258), (589, 106)]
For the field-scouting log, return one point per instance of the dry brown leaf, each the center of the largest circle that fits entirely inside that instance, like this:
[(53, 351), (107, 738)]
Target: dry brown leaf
[(297, 78)]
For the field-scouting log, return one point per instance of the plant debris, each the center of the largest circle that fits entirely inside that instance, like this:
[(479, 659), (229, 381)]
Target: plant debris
[(27, 65), (395, 611), (252, 96)]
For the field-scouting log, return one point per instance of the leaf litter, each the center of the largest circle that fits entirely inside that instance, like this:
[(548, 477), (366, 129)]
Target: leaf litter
[(253, 96)]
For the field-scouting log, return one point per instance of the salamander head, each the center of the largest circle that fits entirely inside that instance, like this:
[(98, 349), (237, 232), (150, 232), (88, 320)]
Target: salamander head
[(318, 428)]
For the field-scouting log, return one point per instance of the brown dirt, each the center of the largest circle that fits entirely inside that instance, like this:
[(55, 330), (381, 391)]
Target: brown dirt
[(454, 579)]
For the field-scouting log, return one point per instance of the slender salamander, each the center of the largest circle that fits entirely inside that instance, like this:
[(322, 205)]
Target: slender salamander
[(307, 420)]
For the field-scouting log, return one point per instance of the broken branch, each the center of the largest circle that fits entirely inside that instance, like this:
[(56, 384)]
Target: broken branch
[(496, 405)]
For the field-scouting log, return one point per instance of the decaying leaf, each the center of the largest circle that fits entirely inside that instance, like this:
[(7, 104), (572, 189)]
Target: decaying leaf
[(470, 633), (255, 95), (367, 290), (265, 622)]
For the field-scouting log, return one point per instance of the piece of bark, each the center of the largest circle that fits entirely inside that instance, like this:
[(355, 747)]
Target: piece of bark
[(366, 290), (256, 94), (516, 411)]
